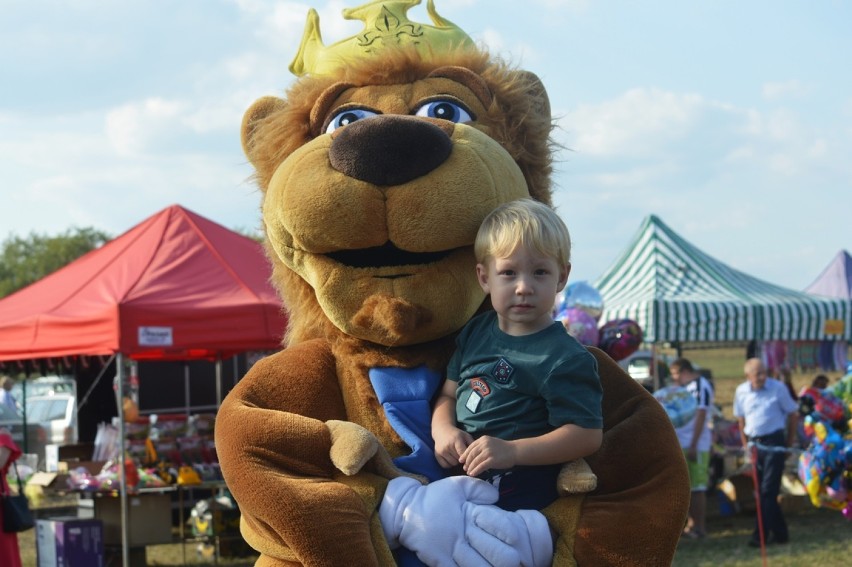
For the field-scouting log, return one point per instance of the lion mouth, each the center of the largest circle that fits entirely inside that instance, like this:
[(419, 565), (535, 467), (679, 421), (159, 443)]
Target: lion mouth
[(385, 256)]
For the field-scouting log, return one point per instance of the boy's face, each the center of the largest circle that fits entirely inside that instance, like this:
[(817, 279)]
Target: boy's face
[(523, 288)]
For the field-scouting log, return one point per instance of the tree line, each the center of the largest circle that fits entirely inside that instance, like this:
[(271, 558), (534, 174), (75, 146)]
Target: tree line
[(25, 260)]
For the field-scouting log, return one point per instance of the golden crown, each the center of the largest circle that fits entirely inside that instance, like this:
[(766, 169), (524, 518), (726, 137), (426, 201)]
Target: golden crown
[(385, 23)]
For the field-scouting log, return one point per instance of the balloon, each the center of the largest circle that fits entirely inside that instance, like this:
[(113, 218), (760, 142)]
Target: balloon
[(131, 410), (620, 338), (823, 466), (679, 404), (559, 304), (825, 404), (581, 295), (580, 325)]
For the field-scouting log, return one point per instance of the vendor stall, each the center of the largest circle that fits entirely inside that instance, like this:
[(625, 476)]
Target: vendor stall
[(175, 287)]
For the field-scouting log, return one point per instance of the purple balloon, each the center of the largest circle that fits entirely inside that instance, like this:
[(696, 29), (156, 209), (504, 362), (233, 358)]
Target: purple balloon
[(580, 325)]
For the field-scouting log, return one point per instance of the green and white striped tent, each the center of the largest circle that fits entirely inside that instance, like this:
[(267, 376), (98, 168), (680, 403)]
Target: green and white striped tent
[(676, 292)]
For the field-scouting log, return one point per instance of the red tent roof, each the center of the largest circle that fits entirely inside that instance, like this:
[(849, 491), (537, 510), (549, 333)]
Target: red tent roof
[(175, 286)]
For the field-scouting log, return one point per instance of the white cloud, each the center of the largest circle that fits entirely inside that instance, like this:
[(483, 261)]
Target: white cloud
[(786, 89), (638, 176), (638, 123), (519, 53), (132, 127), (650, 135)]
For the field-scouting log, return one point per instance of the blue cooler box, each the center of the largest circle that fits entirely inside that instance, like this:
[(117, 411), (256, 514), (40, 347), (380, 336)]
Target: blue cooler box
[(69, 542)]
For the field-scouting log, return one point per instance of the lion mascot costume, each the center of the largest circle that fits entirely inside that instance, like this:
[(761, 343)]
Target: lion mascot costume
[(376, 170)]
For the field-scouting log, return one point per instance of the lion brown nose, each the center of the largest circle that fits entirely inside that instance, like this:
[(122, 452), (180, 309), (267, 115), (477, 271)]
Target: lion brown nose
[(391, 149)]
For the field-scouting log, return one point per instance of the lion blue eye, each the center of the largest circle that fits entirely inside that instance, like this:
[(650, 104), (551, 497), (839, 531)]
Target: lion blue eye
[(445, 110), (346, 117)]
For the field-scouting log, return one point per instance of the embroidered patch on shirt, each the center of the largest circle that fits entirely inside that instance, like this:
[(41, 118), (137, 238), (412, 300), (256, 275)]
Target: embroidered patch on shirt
[(472, 403), (480, 386), (502, 371)]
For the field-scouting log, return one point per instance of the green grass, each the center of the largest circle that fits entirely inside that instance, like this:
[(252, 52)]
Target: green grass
[(817, 537)]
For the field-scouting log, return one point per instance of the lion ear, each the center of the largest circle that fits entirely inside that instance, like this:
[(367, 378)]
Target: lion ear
[(254, 115), (540, 102)]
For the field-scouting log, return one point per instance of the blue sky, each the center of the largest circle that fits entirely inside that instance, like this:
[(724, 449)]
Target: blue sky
[(730, 120)]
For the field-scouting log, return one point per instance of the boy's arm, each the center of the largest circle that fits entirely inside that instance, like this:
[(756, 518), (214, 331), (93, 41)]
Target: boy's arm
[(563, 444), (450, 441)]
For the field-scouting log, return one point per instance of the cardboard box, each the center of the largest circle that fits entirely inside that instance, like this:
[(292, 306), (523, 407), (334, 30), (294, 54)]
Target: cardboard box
[(149, 518), (69, 542), (54, 454), (93, 467)]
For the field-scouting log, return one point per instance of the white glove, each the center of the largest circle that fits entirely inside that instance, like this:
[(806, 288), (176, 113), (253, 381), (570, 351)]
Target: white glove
[(509, 538), (449, 522)]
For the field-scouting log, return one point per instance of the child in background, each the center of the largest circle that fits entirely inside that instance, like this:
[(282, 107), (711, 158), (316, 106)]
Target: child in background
[(522, 396)]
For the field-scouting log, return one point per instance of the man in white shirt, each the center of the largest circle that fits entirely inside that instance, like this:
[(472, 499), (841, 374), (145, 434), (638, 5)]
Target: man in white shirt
[(768, 417), (695, 439)]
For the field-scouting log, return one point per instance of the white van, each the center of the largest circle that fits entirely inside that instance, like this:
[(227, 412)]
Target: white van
[(51, 412), (57, 414)]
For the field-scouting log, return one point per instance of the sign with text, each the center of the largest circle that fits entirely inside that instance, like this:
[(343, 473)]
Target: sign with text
[(155, 336), (833, 327)]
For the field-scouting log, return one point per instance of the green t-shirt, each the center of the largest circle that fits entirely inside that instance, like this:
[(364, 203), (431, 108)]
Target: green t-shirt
[(515, 387)]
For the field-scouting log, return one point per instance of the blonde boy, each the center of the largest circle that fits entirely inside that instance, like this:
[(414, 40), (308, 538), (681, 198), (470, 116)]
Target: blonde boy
[(522, 396)]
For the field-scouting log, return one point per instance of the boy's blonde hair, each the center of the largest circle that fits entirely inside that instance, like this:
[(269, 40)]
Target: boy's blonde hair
[(524, 222)]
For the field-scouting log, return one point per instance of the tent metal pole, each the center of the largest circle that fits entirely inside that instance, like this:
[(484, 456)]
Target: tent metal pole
[(218, 380), (24, 409), (186, 392), (97, 380), (655, 371), (122, 476)]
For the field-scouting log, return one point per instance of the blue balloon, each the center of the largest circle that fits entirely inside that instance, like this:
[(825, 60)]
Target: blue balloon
[(581, 295)]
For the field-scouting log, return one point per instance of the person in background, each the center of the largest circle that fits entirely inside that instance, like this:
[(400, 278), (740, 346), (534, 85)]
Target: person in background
[(768, 417), (10, 554), (695, 439), (521, 396), (787, 378), (820, 382), (6, 397)]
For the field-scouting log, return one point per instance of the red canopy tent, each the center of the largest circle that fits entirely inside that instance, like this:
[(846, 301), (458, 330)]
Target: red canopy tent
[(176, 286)]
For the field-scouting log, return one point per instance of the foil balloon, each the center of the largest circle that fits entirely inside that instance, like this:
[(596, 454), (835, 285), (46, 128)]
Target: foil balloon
[(679, 404), (823, 467), (580, 325), (620, 338), (581, 295), (825, 405), (559, 305)]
